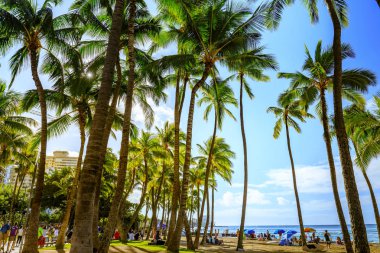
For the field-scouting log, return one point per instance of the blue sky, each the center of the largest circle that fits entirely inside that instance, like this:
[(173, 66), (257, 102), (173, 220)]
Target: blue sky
[(270, 189)]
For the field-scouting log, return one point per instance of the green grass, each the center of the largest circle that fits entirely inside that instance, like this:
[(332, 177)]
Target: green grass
[(151, 248), (137, 244)]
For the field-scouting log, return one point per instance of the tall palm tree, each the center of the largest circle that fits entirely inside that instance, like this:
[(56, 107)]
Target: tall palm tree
[(313, 84), (218, 96), (338, 14), (220, 164), (363, 130), (216, 42), (24, 23), (286, 114), (82, 237), (250, 64)]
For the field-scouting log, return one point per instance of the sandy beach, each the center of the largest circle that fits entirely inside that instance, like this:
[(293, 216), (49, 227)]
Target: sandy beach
[(228, 246)]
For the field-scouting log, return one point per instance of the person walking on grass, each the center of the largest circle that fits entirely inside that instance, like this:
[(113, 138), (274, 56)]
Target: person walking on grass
[(12, 237)]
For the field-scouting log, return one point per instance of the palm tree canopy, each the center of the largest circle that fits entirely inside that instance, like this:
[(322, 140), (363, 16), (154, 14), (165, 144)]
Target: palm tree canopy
[(276, 8), (317, 77), (32, 27), (288, 111), (218, 95)]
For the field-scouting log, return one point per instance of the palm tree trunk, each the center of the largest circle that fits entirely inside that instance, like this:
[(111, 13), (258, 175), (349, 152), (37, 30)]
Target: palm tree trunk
[(204, 238), (189, 239), (82, 237), (167, 220), (154, 215), (124, 149), (212, 210), (163, 213), (13, 199), (145, 219), (208, 170), (303, 237), (103, 152), (142, 198), (176, 183), (173, 245), (374, 202), (30, 245), (358, 228), (70, 202), (245, 193), (326, 135), (373, 197), (183, 96)]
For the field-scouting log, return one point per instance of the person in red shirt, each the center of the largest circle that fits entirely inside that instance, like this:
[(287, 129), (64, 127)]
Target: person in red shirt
[(116, 235)]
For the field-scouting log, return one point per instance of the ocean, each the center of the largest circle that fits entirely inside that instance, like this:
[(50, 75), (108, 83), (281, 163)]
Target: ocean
[(334, 230)]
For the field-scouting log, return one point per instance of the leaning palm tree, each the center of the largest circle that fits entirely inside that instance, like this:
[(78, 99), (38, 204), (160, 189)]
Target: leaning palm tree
[(82, 236), (338, 14), (363, 128), (313, 83), (286, 114), (23, 23), (214, 41), (218, 96), (251, 64)]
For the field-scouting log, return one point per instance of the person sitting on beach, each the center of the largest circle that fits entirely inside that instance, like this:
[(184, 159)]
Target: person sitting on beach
[(300, 241), (294, 240), (261, 237), (317, 240), (209, 239), (217, 241), (339, 241), (268, 236)]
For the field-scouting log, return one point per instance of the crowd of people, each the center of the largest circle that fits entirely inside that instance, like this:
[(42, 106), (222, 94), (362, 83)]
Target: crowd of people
[(10, 236)]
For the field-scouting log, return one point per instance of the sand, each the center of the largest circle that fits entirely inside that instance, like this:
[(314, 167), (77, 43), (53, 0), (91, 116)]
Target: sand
[(230, 246)]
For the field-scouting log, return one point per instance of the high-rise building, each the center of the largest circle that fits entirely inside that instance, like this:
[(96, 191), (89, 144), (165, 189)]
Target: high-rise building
[(27, 182), (59, 160)]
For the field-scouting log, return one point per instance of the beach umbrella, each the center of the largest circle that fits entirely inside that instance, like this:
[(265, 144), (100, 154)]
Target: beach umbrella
[(251, 231), (291, 232), (309, 230), (279, 231)]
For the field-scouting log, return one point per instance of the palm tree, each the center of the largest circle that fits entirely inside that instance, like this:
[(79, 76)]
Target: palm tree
[(318, 79), (99, 27), (238, 32), (218, 96), (289, 109), (14, 128), (220, 164), (338, 14), (252, 64), (82, 237), (34, 28), (363, 128), (147, 148)]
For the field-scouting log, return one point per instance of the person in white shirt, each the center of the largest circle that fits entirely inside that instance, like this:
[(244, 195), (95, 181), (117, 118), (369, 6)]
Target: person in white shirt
[(20, 233)]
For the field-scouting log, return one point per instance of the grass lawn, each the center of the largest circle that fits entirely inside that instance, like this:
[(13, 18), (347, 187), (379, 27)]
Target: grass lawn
[(151, 248)]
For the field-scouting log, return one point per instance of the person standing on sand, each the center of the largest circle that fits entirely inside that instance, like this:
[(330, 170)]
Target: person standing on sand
[(327, 239)]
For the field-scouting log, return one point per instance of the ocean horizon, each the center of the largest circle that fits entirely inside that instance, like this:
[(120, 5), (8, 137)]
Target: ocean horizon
[(334, 230)]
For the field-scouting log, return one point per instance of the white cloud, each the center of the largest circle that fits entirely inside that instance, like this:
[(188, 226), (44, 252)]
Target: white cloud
[(282, 201), (255, 197), (310, 179), (162, 113)]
